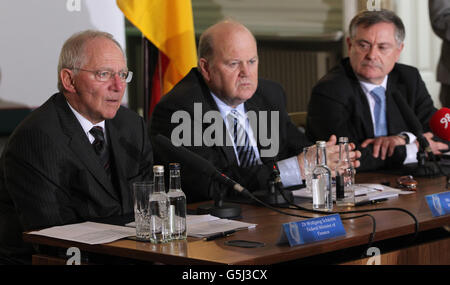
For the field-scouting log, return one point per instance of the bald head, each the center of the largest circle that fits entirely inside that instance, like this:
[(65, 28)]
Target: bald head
[(218, 33), (228, 62)]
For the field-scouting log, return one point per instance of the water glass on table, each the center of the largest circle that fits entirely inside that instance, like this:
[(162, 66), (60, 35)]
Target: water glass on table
[(310, 157), (142, 191)]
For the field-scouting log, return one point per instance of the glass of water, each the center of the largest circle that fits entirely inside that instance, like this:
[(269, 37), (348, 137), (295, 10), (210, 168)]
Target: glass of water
[(309, 158), (142, 191)]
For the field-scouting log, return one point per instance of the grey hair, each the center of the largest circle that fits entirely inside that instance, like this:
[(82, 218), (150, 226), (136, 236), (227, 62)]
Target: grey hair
[(369, 18), (73, 51)]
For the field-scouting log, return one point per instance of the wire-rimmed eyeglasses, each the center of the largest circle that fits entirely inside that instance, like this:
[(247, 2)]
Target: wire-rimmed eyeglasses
[(105, 75)]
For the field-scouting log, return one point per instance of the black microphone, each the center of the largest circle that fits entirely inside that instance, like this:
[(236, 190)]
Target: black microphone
[(191, 160), (424, 168), (412, 121)]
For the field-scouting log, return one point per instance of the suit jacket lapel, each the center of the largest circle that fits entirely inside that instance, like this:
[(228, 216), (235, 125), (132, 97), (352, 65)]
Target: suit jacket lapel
[(80, 145), (119, 165), (362, 107), (394, 117), (210, 105)]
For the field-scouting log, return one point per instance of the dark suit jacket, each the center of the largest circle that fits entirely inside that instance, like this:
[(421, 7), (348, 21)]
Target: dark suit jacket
[(339, 106), (269, 96), (439, 11), (50, 174)]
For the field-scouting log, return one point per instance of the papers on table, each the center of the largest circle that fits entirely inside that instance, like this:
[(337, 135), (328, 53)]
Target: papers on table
[(87, 232), (207, 225), (363, 192)]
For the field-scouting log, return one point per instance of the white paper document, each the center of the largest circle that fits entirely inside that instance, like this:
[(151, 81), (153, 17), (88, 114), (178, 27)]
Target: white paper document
[(362, 192), (207, 225), (87, 232)]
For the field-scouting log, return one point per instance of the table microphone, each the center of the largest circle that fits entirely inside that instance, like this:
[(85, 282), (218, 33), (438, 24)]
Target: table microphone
[(426, 168), (440, 123), (191, 160)]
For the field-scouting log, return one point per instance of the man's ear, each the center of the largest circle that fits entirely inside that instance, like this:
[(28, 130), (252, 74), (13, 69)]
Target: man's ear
[(67, 80), (399, 51), (349, 44), (204, 69)]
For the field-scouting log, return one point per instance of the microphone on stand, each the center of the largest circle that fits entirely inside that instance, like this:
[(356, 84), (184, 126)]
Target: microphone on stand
[(275, 195), (427, 164), (192, 160)]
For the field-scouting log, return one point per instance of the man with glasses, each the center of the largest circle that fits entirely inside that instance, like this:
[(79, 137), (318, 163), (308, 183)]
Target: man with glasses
[(359, 98), (75, 157)]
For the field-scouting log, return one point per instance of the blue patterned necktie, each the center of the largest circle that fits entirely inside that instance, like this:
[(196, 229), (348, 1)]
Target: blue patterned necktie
[(379, 95), (245, 151)]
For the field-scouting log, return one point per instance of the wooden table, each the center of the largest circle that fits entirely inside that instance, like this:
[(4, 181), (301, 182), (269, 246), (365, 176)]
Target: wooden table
[(393, 237)]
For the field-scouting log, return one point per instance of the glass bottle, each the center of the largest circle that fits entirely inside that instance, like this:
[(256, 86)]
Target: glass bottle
[(159, 208), (321, 181), (177, 206), (345, 176)]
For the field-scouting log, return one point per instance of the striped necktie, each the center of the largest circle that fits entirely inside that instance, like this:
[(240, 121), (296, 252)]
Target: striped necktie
[(101, 148), (378, 94), (245, 151)]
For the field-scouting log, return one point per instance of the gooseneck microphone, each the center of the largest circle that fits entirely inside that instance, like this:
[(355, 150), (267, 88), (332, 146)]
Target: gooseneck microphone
[(413, 123), (425, 168), (191, 160)]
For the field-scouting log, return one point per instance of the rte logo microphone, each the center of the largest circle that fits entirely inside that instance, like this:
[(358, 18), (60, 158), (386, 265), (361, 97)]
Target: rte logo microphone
[(440, 123)]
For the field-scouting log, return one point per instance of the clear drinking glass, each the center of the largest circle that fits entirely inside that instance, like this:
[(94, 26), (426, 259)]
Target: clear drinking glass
[(310, 157), (142, 191)]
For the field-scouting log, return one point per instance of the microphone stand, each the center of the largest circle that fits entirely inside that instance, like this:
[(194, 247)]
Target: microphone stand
[(276, 195), (219, 208)]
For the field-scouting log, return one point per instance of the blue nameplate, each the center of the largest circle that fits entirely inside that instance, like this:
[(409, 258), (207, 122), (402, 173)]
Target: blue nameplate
[(439, 203), (312, 230)]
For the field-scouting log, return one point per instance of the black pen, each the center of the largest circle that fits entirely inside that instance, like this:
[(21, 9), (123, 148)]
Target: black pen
[(219, 235), (370, 202)]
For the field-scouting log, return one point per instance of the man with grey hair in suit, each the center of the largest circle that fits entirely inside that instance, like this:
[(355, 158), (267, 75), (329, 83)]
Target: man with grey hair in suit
[(74, 158), (440, 22)]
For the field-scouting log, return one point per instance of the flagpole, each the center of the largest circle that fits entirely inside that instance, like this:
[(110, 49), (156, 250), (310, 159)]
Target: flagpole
[(147, 76)]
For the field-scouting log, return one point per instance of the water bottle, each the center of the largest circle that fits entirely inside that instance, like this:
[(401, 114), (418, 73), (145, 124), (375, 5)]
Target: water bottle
[(177, 205), (345, 176), (321, 181), (159, 208)]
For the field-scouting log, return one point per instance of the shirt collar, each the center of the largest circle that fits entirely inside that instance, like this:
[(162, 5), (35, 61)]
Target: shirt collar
[(225, 109), (368, 87), (85, 123)]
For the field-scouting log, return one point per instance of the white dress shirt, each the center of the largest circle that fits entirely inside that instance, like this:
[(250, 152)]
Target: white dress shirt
[(87, 125), (289, 168)]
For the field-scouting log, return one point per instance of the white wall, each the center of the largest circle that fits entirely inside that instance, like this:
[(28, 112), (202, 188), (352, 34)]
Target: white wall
[(31, 36), (422, 46)]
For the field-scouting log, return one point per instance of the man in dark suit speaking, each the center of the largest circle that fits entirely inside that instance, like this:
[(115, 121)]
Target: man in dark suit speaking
[(223, 112), (74, 158), (358, 98)]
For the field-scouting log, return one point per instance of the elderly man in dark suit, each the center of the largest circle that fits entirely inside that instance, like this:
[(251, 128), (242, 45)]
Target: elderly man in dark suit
[(74, 158), (360, 97), (440, 22), (225, 87)]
